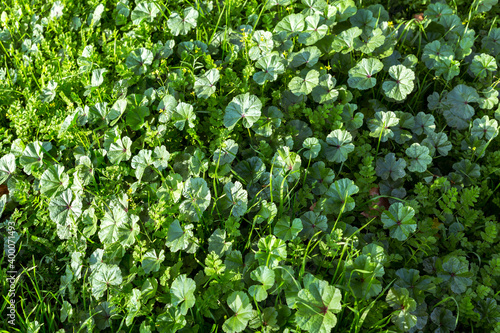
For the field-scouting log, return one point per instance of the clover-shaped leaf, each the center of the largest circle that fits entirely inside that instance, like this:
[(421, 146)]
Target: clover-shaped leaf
[(402, 84), (267, 212), (363, 272), (151, 261), (400, 300), (182, 24), (245, 106), (204, 85), (419, 157), (399, 220), (265, 277), (339, 146), (456, 273), (217, 243), (49, 92), (144, 11), (286, 229), (424, 123), (361, 75), (351, 119), (482, 64), (227, 153), (484, 127), (139, 60), (368, 42), (445, 320), (439, 142), (305, 83), (251, 170), (380, 126), (435, 53), (182, 293), (264, 44), (7, 167), (197, 200), (120, 150), (390, 166), (324, 92), (316, 307), (53, 180), (105, 277)]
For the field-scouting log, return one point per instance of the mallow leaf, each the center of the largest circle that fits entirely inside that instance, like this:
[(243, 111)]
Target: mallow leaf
[(324, 92), (204, 85), (182, 293), (313, 223), (439, 142), (340, 196), (444, 319), (7, 167), (482, 64), (151, 261), (286, 229), (239, 302), (361, 75), (111, 223), (456, 273), (312, 148), (484, 127), (182, 24), (197, 200), (105, 277), (183, 113), (271, 119), (141, 161), (314, 30), (419, 157), (265, 278), (316, 307), (380, 126), (244, 106), (292, 24), (287, 163), (64, 209), (399, 220), (271, 66), (305, 83), (340, 146), (402, 84), (308, 56), (227, 153), (144, 11), (120, 150), (53, 180), (236, 198), (139, 60), (391, 166), (179, 238)]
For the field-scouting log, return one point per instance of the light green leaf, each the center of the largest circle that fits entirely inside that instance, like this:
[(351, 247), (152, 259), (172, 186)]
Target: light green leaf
[(419, 157), (144, 11), (182, 292), (245, 106), (402, 84), (399, 220), (151, 261), (53, 180), (361, 75), (182, 25), (102, 279), (204, 85), (7, 167), (286, 229), (239, 302), (120, 150)]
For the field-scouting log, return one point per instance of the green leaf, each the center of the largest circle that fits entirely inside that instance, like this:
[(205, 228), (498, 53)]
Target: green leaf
[(339, 146), (204, 85), (271, 119), (402, 84), (286, 230), (271, 66), (183, 113), (49, 92), (424, 123), (120, 150), (265, 277), (250, 170), (439, 142), (53, 180), (182, 25), (179, 238), (320, 177), (292, 24), (245, 106), (391, 167), (399, 220), (482, 64), (345, 40), (324, 92), (361, 75), (305, 83), (380, 126), (340, 194), (456, 273), (317, 306), (308, 56), (144, 11), (236, 198), (419, 157), (271, 251), (434, 53), (32, 156), (484, 127), (217, 243), (313, 223), (151, 261), (128, 231), (141, 161), (197, 200), (7, 167), (312, 148), (227, 153), (400, 300), (111, 223), (286, 163), (139, 60), (444, 319), (160, 158), (314, 30), (267, 212), (64, 209), (239, 302), (103, 278), (182, 292)]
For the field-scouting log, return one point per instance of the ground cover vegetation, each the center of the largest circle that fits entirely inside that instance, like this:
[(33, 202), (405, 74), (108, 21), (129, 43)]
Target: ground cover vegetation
[(251, 166)]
